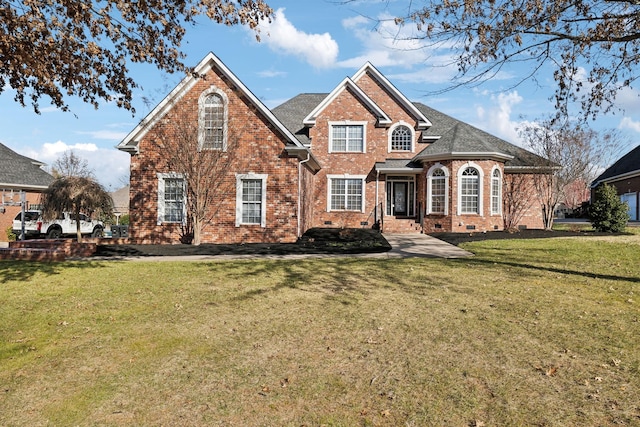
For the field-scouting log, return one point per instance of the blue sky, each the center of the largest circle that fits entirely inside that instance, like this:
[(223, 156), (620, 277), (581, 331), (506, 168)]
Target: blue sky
[(310, 46)]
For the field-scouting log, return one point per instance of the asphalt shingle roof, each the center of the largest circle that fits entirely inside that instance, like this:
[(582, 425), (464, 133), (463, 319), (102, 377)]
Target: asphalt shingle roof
[(399, 164), (455, 135), (628, 163), (458, 136), (292, 113), (21, 172)]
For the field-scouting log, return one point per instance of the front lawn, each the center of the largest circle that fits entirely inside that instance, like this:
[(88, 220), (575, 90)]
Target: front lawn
[(526, 332)]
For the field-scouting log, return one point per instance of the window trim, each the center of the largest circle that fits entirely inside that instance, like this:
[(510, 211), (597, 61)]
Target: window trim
[(390, 137), (348, 123), (240, 177), (330, 178), (161, 202), (201, 116), (461, 170), (499, 185), (432, 169)]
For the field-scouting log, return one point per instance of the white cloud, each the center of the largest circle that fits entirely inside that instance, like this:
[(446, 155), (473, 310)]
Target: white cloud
[(271, 73), (319, 50), (50, 109), (629, 123), (496, 118), (108, 165), (387, 44), (49, 151), (628, 99)]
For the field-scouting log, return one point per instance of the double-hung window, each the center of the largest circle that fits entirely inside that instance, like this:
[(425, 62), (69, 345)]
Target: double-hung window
[(496, 192), (171, 198), (470, 191), (347, 138), (346, 194), (438, 186), (251, 191)]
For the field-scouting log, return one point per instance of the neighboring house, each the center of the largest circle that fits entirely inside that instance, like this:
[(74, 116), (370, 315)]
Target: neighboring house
[(120, 199), (624, 175), (362, 155), (18, 175)]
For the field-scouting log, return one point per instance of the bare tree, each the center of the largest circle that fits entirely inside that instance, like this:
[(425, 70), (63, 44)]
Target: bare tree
[(569, 154), (60, 48), (599, 37), (205, 171), (75, 194), (69, 164), (517, 196)]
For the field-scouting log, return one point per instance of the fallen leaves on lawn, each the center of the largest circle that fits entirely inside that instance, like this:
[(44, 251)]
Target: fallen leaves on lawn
[(551, 371)]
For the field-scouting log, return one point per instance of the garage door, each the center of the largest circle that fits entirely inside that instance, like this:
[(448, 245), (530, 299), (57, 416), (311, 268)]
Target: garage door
[(632, 201)]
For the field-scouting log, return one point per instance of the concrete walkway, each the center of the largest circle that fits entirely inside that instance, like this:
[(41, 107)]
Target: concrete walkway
[(422, 245), (403, 246)]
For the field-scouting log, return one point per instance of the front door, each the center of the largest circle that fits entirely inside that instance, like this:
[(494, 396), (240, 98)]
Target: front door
[(400, 198)]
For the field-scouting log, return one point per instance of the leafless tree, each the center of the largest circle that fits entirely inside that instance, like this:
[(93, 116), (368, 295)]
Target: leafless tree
[(60, 48), (518, 194), (570, 154), (205, 171), (69, 164), (592, 46)]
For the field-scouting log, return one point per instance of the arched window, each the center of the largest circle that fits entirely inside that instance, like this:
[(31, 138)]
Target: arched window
[(496, 192), (213, 122), (401, 138), (470, 191), (437, 190)]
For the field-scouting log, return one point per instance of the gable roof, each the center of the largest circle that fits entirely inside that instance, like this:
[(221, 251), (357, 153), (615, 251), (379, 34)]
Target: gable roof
[(626, 167), (20, 172), (368, 68), (347, 84), (120, 199), (450, 135), (457, 138), (209, 62)]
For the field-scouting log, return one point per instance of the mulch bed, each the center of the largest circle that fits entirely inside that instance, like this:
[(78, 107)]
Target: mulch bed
[(314, 241), (322, 241)]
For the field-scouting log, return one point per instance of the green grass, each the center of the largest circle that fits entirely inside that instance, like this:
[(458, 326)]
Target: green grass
[(527, 332)]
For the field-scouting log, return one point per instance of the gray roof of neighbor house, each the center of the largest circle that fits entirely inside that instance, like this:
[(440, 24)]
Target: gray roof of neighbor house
[(20, 172), (627, 165), (120, 199), (451, 136)]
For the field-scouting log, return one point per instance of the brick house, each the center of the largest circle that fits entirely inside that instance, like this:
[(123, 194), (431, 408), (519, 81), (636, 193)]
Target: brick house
[(362, 155), (624, 176), (18, 175)]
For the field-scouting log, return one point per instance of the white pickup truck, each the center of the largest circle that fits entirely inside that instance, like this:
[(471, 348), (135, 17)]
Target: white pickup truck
[(64, 225)]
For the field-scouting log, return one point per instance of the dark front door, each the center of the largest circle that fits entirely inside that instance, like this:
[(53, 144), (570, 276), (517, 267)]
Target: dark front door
[(400, 198)]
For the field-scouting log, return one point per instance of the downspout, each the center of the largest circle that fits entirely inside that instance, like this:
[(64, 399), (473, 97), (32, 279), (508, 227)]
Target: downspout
[(300, 187), (377, 198)]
